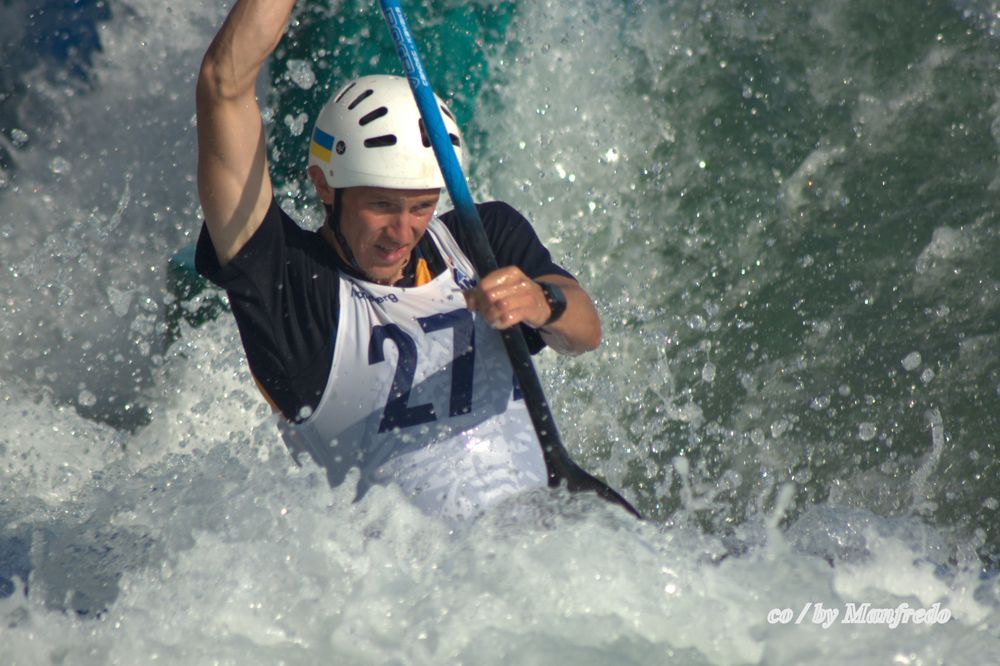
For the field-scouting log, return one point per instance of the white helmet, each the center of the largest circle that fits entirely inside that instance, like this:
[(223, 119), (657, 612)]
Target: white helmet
[(370, 133)]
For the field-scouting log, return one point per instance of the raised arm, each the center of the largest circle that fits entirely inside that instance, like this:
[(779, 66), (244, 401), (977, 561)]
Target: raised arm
[(233, 181)]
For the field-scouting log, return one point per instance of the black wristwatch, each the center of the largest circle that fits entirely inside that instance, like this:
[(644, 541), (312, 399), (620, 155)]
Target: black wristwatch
[(556, 299)]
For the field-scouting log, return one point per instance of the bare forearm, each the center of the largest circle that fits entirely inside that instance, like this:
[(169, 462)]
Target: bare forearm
[(578, 330), (508, 297), (249, 35)]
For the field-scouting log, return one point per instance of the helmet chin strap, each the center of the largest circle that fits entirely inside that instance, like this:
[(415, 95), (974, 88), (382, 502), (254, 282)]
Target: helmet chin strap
[(333, 221), (333, 214)]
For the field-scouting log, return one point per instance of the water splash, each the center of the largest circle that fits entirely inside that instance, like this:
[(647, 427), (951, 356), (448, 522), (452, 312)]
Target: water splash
[(768, 247)]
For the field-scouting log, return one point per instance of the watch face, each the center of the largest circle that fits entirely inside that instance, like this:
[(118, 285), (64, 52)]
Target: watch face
[(556, 299)]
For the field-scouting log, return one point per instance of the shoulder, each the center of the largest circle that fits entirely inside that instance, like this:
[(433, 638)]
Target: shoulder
[(511, 237), (495, 215), (277, 239), (507, 230)]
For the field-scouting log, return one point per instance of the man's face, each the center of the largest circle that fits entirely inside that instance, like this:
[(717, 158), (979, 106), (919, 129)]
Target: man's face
[(382, 226)]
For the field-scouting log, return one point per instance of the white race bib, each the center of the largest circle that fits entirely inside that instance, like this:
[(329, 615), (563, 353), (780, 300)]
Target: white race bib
[(421, 394)]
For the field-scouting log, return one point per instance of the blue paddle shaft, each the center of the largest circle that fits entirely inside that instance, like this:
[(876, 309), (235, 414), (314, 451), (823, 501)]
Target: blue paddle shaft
[(454, 179), (560, 466)]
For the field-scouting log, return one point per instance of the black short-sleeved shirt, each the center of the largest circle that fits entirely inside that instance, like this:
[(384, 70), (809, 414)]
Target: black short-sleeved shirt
[(283, 289)]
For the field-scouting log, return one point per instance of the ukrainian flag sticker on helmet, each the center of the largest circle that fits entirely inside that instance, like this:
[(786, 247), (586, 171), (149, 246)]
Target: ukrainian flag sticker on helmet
[(322, 144)]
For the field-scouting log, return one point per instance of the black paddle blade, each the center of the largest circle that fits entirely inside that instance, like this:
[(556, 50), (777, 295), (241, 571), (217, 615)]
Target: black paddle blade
[(578, 480)]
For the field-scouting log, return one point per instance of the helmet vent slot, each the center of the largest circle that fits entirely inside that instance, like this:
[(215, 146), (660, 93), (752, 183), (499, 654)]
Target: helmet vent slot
[(373, 115), (360, 98), (381, 141), (446, 112), (426, 140), (345, 91), (455, 141)]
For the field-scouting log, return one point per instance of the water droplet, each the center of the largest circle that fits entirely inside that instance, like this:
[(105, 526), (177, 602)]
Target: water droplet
[(296, 124), (301, 74), (708, 372), (820, 402), (59, 165), (912, 361), (120, 301), (19, 137), (86, 398)]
